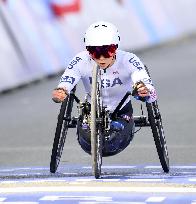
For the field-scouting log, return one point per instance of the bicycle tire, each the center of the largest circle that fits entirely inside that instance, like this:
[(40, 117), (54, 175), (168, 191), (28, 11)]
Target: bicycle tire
[(96, 136), (155, 121), (60, 134)]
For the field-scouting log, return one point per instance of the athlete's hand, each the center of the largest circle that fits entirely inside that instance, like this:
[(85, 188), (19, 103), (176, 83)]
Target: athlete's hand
[(141, 89), (59, 95)]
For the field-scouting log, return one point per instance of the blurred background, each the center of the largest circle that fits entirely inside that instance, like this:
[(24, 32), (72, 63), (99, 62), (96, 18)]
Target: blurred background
[(39, 38)]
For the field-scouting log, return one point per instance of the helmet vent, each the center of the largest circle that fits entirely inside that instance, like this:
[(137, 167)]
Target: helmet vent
[(96, 26)]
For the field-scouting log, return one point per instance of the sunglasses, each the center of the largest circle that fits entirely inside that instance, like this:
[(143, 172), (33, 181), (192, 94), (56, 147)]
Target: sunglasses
[(106, 50)]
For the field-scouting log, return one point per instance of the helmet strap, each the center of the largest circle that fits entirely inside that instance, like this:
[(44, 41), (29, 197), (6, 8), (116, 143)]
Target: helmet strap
[(113, 59)]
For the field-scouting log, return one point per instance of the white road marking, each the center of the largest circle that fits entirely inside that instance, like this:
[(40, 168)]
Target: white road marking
[(183, 167), (15, 169), (8, 182), (98, 189), (84, 180), (42, 180), (19, 202), (152, 167), (69, 173), (155, 199), (111, 167), (186, 172), (109, 180), (88, 180), (172, 167), (2, 199), (192, 179), (113, 202), (89, 167), (92, 198), (146, 180), (156, 172)]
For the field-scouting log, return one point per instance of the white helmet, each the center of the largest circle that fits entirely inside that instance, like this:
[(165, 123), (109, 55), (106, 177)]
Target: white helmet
[(101, 33)]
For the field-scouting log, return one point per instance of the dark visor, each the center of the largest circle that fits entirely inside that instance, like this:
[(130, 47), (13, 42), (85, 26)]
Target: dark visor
[(105, 50)]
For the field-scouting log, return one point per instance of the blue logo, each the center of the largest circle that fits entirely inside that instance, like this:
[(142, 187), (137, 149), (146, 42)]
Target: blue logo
[(135, 63), (67, 79), (147, 81), (74, 62), (106, 83)]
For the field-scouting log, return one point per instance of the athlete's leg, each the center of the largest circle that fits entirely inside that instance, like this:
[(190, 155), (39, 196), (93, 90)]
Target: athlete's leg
[(121, 131), (84, 137), (125, 113)]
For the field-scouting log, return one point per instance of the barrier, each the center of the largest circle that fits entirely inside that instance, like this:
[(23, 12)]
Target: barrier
[(40, 37)]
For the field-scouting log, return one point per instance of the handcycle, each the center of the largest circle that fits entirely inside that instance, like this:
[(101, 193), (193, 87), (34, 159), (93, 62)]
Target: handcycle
[(98, 118)]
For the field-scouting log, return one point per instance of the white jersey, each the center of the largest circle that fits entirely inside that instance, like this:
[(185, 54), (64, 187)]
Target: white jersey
[(116, 80)]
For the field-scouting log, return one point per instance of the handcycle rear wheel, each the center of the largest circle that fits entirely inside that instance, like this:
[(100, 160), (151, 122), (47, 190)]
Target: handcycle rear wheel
[(64, 118), (96, 132), (155, 121)]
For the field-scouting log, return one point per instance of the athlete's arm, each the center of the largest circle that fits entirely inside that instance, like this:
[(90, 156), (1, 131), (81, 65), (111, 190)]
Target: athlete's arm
[(139, 74), (68, 80)]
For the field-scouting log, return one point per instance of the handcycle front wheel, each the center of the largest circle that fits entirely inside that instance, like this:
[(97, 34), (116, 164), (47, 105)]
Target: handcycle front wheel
[(155, 121), (95, 126), (64, 118)]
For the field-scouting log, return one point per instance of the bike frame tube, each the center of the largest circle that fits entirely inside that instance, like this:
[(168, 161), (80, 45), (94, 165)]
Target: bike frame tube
[(113, 115)]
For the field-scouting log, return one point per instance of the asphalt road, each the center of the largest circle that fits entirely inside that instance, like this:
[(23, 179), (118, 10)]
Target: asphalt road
[(28, 116)]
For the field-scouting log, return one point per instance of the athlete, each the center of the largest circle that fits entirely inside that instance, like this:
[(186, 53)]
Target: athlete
[(120, 72)]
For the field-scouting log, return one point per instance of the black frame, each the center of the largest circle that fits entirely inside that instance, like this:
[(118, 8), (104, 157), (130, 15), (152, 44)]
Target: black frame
[(155, 120), (65, 121)]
